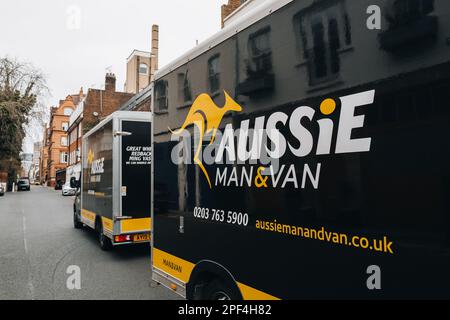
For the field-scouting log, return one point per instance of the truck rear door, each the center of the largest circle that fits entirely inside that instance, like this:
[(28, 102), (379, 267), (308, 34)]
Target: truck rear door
[(135, 156)]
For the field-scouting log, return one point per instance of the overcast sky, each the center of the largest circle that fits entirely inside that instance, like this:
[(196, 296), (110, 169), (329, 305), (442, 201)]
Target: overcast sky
[(74, 41)]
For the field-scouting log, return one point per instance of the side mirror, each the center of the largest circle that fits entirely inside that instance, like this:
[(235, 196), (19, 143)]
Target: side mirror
[(74, 183)]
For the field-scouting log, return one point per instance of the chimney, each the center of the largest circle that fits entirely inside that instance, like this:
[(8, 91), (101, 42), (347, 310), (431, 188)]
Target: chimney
[(81, 94), (154, 51), (110, 82)]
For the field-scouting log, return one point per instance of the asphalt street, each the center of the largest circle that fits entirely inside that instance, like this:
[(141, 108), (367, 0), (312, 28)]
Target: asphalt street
[(38, 245)]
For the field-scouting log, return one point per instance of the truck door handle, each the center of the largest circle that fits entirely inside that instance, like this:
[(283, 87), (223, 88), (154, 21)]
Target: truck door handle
[(123, 218), (122, 133), (181, 228)]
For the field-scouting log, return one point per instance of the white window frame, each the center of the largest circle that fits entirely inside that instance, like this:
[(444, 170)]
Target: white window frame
[(146, 68), (63, 157)]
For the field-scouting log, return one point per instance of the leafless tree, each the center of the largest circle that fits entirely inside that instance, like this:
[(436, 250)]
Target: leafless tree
[(22, 87)]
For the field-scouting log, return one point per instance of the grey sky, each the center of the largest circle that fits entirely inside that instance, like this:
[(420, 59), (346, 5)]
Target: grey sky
[(44, 33)]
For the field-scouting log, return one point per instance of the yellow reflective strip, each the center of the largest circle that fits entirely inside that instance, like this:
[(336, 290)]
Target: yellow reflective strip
[(133, 225), (108, 224), (88, 215), (182, 269), (249, 293), (176, 267)]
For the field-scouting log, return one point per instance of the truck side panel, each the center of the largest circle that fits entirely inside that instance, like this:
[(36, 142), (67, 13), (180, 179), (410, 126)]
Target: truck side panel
[(357, 203), (97, 194)]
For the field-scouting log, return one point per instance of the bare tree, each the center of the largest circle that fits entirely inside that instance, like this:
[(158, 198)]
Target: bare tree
[(22, 87)]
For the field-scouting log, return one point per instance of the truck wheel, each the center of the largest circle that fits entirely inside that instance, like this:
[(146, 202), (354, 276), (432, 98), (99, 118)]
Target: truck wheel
[(76, 222), (217, 290), (105, 242)]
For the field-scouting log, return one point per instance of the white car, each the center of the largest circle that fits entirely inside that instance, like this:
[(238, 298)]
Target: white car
[(67, 190)]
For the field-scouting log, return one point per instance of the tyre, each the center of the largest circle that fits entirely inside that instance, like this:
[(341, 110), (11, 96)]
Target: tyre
[(218, 290), (76, 222), (104, 241)]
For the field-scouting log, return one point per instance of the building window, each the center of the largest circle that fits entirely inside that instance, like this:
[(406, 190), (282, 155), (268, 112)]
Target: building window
[(260, 53), (162, 102), (63, 157), (214, 74), (68, 111), (322, 33), (64, 141), (404, 11), (73, 136), (65, 126), (143, 69), (184, 88)]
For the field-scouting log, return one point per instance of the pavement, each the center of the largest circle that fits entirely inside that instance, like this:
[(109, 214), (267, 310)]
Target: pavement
[(40, 249)]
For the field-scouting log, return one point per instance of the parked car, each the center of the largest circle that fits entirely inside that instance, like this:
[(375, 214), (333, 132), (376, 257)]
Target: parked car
[(67, 190), (59, 185), (2, 190), (23, 185)]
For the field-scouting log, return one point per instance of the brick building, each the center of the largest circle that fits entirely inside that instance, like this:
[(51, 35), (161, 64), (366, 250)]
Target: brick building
[(140, 102), (57, 140), (90, 110), (228, 9), (142, 65)]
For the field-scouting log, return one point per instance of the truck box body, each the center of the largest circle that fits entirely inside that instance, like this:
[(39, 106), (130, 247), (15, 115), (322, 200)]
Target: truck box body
[(116, 177), (312, 160)]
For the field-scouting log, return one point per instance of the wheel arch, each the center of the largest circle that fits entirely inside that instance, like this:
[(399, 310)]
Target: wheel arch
[(206, 271)]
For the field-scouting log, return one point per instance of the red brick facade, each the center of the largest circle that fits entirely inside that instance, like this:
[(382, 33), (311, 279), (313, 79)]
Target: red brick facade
[(102, 102), (58, 146), (228, 9)]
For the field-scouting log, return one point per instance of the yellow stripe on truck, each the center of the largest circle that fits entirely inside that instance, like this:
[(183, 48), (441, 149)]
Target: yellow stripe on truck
[(88, 215), (249, 293), (182, 269), (176, 267), (108, 224), (135, 225)]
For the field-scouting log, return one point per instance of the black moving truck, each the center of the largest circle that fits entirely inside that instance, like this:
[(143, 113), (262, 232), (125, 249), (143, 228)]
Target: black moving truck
[(116, 179), (304, 151)]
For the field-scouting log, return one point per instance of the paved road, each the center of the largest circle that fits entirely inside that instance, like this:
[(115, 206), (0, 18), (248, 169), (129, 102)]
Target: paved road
[(38, 243)]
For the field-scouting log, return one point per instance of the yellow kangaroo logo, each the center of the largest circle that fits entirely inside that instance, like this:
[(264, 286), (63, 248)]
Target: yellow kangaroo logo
[(207, 116)]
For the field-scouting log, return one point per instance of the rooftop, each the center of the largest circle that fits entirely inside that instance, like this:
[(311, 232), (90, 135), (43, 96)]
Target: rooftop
[(139, 53)]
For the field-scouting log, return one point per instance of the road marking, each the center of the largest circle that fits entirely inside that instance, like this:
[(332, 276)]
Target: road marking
[(24, 223), (30, 282)]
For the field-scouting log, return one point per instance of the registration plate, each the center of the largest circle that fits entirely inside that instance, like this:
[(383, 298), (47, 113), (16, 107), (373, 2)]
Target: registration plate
[(141, 237)]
